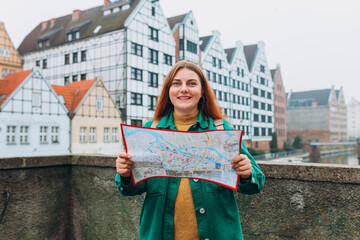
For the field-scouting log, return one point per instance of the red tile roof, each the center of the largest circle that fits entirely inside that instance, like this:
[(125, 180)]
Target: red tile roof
[(10, 83), (73, 93)]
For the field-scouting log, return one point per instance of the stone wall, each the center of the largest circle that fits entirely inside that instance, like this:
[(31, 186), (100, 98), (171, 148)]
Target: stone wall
[(74, 197)]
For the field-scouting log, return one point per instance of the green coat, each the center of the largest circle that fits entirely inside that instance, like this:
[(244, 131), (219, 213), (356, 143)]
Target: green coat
[(216, 210)]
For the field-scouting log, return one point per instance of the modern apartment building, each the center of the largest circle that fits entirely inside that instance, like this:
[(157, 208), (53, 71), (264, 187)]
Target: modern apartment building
[(353, 119), (10, 60), (317, 115), (279, 106), (127, 42)]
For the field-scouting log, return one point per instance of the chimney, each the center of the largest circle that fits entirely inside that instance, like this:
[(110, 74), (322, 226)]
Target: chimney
[(43, 25), (106, 2), (52, 22), (75, 14)]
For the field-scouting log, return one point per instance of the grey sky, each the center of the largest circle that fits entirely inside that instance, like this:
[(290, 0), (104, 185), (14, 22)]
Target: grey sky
[(317, 43)]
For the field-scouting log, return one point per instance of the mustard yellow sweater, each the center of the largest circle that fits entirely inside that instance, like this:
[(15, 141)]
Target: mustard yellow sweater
[(185, 225)]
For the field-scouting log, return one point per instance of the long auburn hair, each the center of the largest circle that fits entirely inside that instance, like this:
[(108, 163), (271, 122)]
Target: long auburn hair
[(209, 108)]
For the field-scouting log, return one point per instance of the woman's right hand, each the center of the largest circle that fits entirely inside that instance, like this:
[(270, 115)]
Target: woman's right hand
[(124, 164)]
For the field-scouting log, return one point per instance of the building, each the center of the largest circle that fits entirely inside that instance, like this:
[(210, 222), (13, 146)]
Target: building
[(239, 82), (95, 119), (127, 42), (353, 119), (279, 106), (186, 35), (261, 96), (10, 60), (33, 120), (317, 115)]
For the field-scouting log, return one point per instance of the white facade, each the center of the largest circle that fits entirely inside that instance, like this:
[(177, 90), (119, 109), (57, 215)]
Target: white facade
[(33, 121), (261, 93), (132, 61), (353, 119), (240, 90)]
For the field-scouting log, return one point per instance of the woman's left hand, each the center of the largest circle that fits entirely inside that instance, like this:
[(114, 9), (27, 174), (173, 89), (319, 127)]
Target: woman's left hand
[(242, 166)]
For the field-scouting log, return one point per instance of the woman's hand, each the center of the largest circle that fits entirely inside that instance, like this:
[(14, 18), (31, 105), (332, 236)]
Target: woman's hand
[(242, 166), (124, 164)]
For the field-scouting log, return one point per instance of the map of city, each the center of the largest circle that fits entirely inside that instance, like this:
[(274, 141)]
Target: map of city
[(203, 155)]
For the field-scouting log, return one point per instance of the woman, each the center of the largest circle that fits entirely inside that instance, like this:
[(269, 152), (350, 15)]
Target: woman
[(185, 208)]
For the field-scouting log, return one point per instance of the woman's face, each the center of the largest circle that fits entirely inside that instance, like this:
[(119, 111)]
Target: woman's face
[(185, 92)]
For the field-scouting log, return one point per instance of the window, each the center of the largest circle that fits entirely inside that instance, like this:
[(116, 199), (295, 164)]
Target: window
[(269, 119), (262, 68), (214, 77), (154, 34), (44, 61), (75, 57), (74, 78), (220, 79), (83, 134), (234, 98), (263, 131), (219, 63), (73, 35), (238, 71), (83, 76), (24, 134), (153, 80), (152, 102), (256, 131), (36, 99), (167, 59), (269, 131), (136, 99), (242, 72), (153, 56), (256, 104), (208, 75), (234, 83), (10, 134), (43, 43), (191, 47), (262, 80), (92, 134), (153, 11), (55, 134), (269, 95), (262, 93), (66, 80), (263, 118), (256, 91), (37, 63), (99, 104), (269, 108), (106, 134), (136, 122), (43, 134), (225, 81), (220, 95), (214, 61), (67, 59), (115, 135), (83, 55), (256, 117), (181, 44), (136, 49), (136, 74), (263, 106)]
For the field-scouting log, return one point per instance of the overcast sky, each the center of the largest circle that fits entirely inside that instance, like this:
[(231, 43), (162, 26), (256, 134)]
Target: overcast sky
[(316, 42)]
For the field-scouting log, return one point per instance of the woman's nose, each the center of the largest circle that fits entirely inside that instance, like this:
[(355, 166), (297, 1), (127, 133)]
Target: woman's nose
[(183, 88)]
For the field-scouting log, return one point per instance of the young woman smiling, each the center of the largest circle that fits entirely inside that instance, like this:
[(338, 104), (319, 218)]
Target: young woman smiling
[(182, 208)]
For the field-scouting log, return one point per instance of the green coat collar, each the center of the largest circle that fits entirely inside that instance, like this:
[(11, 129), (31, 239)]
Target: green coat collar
[(167, 122)]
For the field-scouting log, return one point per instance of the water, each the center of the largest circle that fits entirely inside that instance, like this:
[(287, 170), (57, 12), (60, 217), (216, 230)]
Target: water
[(349, 158)]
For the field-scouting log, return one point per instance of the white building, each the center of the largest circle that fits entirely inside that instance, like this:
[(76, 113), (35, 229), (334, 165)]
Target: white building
[(353, 119), (186, 35), (240, 89), (261, 93), (127, 42), (33, 120)]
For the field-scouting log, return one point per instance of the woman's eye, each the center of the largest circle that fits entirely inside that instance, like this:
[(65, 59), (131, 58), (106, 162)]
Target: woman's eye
[(192, 83), (175, 83)]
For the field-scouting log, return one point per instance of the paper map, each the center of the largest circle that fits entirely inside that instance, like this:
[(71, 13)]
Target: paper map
[(203, 155)]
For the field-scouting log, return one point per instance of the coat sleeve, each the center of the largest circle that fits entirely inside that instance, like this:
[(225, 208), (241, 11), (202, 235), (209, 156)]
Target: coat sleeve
[(257, 179)]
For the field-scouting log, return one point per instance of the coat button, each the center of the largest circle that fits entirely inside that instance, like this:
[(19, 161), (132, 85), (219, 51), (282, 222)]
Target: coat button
[(202, 210), (195, 180)]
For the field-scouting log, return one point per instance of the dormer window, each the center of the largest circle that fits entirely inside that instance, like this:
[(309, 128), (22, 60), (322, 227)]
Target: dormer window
[(73, 35), (125, 7), (43, 43)]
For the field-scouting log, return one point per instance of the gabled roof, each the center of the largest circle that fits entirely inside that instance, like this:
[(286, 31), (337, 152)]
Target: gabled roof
[(250, 52), (9, 84), (229, 54), (306, 98), (74, 93), (86, 23), (205, 41), (176, 19)]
